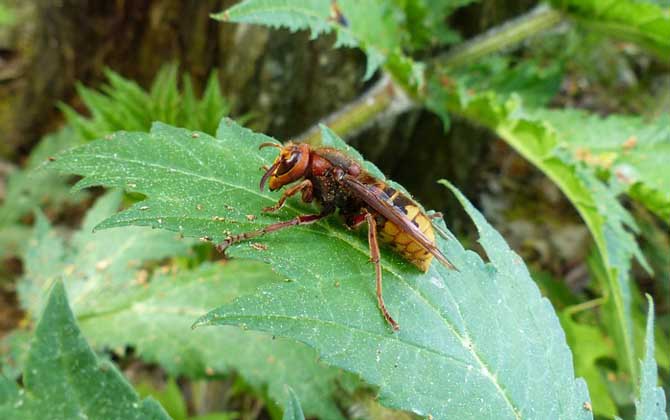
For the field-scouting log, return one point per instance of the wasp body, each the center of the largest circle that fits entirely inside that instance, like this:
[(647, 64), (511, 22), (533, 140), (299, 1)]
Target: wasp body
[(338, 182)]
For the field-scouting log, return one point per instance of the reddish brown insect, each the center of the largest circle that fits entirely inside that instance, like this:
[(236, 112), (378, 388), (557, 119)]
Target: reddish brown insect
[(337, 181)]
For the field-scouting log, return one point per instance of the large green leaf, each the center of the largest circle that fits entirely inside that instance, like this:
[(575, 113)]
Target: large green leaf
[(371, 25), (63, 378), (118, 304), (651, 402), (479, 342), (538, 141), (637, 21)]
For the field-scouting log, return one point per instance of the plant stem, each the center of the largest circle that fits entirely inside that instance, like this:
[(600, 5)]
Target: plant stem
[(589, 304), (387, 98), (383, 100), (501, 37)]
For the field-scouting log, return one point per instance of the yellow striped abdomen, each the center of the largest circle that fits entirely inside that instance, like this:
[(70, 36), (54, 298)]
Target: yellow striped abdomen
[(402, 242)]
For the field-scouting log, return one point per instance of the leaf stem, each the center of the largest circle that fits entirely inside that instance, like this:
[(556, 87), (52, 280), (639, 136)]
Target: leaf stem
[(589, 304), (383, 100), (501, 37)]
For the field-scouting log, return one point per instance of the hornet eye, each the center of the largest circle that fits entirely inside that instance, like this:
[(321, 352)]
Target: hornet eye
[(287, 164)]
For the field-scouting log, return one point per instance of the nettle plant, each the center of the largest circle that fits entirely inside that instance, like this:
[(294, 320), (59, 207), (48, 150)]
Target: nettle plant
[(480, 342)]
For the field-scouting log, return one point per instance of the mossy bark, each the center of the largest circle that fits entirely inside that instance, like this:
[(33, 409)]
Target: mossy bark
[(285, 79)]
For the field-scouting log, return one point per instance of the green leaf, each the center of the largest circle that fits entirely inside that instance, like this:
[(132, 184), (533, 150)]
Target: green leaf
[(370, 25), (651, 402), (474, 362), (642, 22), (292, 409), (635, 151), (118, 303), (538, 141), (64, 378)]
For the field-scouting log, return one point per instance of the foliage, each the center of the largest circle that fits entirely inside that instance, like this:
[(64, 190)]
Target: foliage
[(7, 16), (118, 303), (537, 84), (63, 376), (537, 140), (574, 149), (123, 105), (119, 105), (174, 403), (593, 346), (343, 321), (479, 342), (371, 25)]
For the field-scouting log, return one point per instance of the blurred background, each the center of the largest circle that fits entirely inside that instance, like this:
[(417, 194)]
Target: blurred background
[(66, 64)]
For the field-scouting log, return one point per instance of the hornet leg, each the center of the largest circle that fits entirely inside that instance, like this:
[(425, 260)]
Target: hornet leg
[(303, 219), (306, 188), (374, 257)]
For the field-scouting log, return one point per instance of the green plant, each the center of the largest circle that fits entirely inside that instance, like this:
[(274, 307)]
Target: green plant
[(335, 314), (479, 343)]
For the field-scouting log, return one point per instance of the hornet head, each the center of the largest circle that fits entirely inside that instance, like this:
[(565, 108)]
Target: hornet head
[(291, 165)]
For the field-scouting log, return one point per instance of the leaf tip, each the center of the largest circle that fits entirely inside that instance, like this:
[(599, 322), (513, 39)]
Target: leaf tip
[(200, 322), (222, 16)]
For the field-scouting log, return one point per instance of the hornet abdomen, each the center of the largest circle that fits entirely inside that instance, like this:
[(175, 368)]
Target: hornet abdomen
[(400, 241)]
